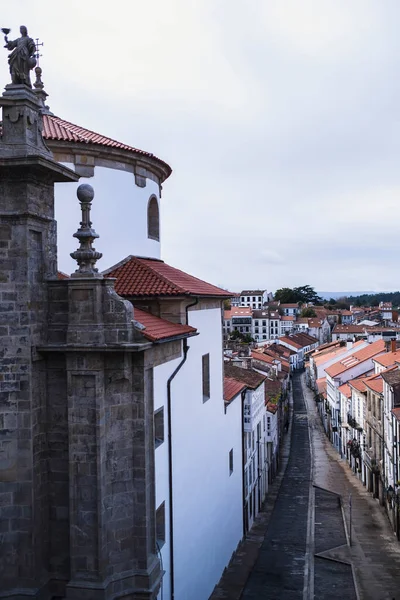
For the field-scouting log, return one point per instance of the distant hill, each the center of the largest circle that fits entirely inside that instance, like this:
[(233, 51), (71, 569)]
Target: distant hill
[(335, 295)]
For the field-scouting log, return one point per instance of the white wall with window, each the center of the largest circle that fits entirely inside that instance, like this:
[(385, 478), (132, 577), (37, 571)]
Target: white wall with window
[(206, 443), (121, 237), (255, 468)]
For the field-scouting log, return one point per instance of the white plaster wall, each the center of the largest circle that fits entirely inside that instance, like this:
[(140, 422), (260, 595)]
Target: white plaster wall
[(161, 375), (207, 500), (208, 513), (119, 216)]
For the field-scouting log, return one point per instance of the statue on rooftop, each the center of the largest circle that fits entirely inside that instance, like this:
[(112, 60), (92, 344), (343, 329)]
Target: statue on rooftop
[(22, 58)]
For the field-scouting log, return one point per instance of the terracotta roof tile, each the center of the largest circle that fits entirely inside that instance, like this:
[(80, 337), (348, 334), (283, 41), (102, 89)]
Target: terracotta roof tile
[(232, 388), (388, 359), (348, 329), (144, 277), (321, 385), (348, 362), (250, 378), (375, 384), (58, 129), (345, 390), (157, 329), (238, 311), (358, 384), (61, 275), (396, 412), (273, 387), (263, 357)]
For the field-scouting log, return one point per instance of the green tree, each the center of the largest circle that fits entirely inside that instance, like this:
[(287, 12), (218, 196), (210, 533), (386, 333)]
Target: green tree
[(301, 294), (308, 312)]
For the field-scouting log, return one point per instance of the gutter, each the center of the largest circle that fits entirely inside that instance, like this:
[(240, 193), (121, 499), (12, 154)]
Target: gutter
[(170, 462)]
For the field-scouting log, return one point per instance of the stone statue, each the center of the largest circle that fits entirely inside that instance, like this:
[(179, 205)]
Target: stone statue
[(22, 58)]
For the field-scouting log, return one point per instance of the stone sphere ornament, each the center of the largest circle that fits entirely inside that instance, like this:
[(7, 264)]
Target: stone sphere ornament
[(85, 193)]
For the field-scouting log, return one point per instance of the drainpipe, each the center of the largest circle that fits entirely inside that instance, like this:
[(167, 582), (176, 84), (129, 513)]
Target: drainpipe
[(243, 468), (169, 410)]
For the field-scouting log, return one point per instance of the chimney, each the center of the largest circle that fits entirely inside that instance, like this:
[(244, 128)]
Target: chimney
[(387, 345), (393, 345)]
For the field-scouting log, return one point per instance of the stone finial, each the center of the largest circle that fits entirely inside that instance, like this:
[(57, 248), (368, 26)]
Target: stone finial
[(38, 83), (40, 92), (86, 256)]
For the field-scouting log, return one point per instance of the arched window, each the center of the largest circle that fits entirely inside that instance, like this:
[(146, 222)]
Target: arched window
[(153, 219)]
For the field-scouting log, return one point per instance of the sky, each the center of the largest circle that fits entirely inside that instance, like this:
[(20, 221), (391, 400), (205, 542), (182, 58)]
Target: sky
[(279, 118)]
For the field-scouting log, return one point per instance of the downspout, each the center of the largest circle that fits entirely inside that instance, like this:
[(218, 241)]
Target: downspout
[(243, 468), (169, 410)]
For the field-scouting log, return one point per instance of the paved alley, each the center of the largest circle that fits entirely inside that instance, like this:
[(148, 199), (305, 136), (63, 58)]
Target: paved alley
[(299, 550)]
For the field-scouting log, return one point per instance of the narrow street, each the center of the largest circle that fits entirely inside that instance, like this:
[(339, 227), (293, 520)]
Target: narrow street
[(304, 549)]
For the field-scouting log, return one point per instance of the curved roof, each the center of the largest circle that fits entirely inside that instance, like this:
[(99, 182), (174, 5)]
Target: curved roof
[(60, 130)]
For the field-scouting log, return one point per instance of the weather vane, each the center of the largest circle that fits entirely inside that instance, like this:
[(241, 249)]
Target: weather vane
[(37, 44)]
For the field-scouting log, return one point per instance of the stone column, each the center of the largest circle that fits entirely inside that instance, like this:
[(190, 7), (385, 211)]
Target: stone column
[(27, 259), (110, 436)]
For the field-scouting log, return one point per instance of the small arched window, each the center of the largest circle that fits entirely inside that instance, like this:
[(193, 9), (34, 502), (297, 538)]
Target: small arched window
[(153, 219)]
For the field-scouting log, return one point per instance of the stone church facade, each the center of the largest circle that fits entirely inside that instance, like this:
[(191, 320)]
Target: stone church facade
[(85, 363), (76, 414)]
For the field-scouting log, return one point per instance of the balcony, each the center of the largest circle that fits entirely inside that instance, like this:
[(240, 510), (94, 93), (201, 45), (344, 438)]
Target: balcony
[(353, 423)]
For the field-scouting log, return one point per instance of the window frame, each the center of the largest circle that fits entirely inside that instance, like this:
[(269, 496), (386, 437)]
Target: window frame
[(205, 370)]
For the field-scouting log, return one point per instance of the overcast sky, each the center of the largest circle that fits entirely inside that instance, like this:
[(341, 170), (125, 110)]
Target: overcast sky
[(280, 119)]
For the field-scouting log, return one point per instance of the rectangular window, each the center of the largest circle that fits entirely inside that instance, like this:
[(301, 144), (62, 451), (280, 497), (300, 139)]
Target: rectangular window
[(256, 323), (160, 524), (206, 376), (264, 323), (159, 427), (230, 461)]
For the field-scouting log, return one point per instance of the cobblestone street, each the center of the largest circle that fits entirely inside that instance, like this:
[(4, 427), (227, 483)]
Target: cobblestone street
[(299, 548)]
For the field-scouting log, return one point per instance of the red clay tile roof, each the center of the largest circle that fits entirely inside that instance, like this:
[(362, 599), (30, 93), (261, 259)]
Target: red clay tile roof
[(55, 128), (355, 359), (396, 412), (157, 329), (232, 388), (321, 385), (375, 384), (250, 378), (348, 329), (145, 277), (287, 318), (344, 389), (388, 359), (238, 311), (263, 357), (358, 384), (273, 388), (61, 275)]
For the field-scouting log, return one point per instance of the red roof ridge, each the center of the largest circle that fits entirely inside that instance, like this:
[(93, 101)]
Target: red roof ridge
[(77, 129), (144, 277), (138, 259)]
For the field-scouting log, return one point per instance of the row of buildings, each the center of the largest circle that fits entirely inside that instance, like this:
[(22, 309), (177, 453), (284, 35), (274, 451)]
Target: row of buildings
[(272, 322), (357, 388)]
